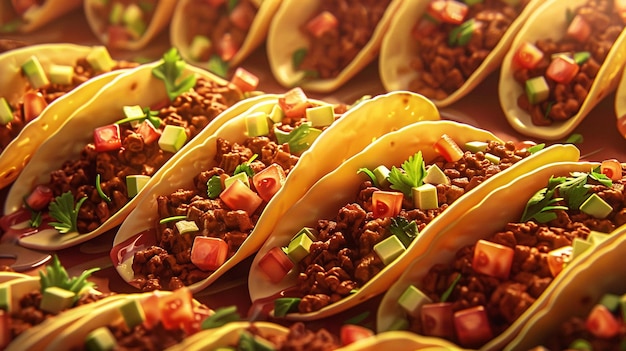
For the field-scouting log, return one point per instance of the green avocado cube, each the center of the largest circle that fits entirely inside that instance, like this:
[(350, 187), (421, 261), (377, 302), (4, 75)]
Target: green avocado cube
[(6, 114), (308, 231), (399, 324), (595, 206), (100, 59), (133, 20), (5, 298), (611, 302), (257, 124), (100, 339), (239, 176), (537, 90), (472, 2), (320, 116), (579, 246), (476, 146), (492, 158), (35, 73), (307, 141), (61, 74), (117, 11), (299, 247), (133, 111), (596, 237), (133, 313), (412, 300), (134, 184), (389, 249), (425, 197), (581, 57), (434, 175), (277, 114), (200, 45), (381, 173), (622, 302), (55, 299), (186, 227), (172, 138)]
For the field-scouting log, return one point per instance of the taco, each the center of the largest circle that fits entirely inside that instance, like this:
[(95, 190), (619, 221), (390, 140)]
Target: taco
[(484, 275), (444, 48), (222, 199), (550, 80), (34, 309), (347, 239), (320, 45), (620, 105), (146, 321), (27, 16), (591, 316), (128, 25), (218, 35), (32, 79), (84, 180)]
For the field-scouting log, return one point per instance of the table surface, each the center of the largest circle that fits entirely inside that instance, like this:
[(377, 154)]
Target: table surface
[(601, 141)]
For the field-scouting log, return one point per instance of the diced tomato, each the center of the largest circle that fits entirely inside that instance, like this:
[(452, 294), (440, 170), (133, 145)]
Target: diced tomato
[(602, 323), (620, 8), (195, 325), (294, 102), (242, 15), (33, 104), (117, 36), (386, 203), (322, 24), (454, 12), (208, 253), (438, 319), (448, 148), (492, 259), (527, 56), (268, 181), (39, 198), (245, 80), (424, 27), (350, 333), (176, 308), (152, 309), (107, 138), (558, 258), (472, 326), (562, 69), (579, 29), (227, 47), (436, 8), (239, 197), (275, 264), (612, 169), (5, 330), (148, 132), (21, 6)]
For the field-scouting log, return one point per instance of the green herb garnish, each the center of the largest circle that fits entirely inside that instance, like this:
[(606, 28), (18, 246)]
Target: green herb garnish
[(540, 206), (56, 275), (449, 290), (245, 167), (597, 175), (214, 187), (170, 71), (403, 229), (284, 305), (152, 116), (220, 317), (63, 209), (411, 175), (218, 66), (231, 5), (575, 139), (104, 196), (297, 57), (249, 342), (536, 148), (172, 219), (35, 219), (300, 138), (370, 174), (358, 318)]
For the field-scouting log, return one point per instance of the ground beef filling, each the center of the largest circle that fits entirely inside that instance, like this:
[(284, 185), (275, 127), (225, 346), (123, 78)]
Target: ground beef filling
[(202, 18), (574, 329), (192, 110), (82, 72), (506, 300), (299, 338), (328, 55), (565, 100), (29, 314), (342, 258), (442, 68)]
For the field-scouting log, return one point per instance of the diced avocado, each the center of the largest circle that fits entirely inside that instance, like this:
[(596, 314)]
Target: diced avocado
[(35, 73), (6, 114), (200, 45), (100, 59), (134, 112), (277, 114), (425, 197), (186, 227), (100, 339), (56, 299), (434, 175), (476, 146), (239, 176), (172, 138), (117, 11), (580, 344), (257, 124), (493, 158), (308, 231), (537, 90), (472, 2), (307, 141), (597, 237), (281, 136), (5, 298), (320, 116), (381, 173), (389, 249), (133, 313), (579, 246), (622, 302), (595, 206), (298, 248), (412, 300), (611, 302), (582, 57), (133, 20), (134, 184), (61, 74)]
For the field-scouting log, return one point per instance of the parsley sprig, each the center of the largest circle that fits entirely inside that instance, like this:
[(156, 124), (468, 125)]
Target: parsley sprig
[(245, 167), (65, 212), (214, 187), (403, 229), (409, 176), (170, 71), (56, 275)]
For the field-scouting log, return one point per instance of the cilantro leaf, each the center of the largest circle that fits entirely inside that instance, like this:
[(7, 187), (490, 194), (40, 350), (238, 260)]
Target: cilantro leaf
[(245, 167), (300, 138), (284, 305), (600, 177), (218, 66), (56, 275), (574, 190), (221, 316), (403, 229), (65, 212), (214, 187), (540, 203), (411, 175), (297, 57), (35, 219), (170, 70), (575, 139)]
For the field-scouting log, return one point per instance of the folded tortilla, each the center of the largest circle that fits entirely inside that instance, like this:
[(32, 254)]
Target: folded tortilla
[(36, 16)]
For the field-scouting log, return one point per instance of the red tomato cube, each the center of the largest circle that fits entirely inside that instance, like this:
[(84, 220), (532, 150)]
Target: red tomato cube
[(612, 169), (21, 6), (239, 197), (107, 138), (294, 102), (275, 264), (558, 258), (152, 309), (562, 69), (34, 104), (242, 15), (195, 325), (602, 323), (472, 326), (268, 181), (322, 24), (436, 8), (527, 56), (176, 308), (448, 148), (39, 198), (454, 12), (425, 27), (350, 333), (492, 259), (245, 80), (579, 29), (148, 132), (438, 319), (227, 48), (5, 330), (208, 253), (386, 203)]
